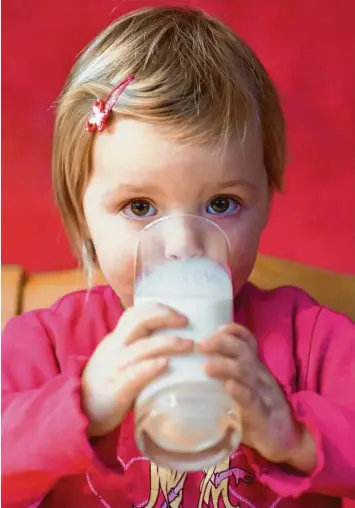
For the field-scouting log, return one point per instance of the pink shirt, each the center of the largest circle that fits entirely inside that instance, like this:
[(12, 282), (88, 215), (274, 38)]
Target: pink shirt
[(49, 462)]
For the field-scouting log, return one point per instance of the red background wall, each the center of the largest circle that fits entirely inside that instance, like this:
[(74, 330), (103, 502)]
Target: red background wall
[(307, 46)]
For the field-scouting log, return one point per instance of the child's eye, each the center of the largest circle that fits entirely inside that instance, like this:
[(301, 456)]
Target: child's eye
[(139, 208), (222, 206)]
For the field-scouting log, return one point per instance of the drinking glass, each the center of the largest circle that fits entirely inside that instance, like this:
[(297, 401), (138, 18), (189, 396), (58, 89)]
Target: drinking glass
[(184, 420)]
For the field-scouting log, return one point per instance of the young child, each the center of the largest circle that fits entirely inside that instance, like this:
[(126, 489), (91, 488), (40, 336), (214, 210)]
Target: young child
[(187, 121)]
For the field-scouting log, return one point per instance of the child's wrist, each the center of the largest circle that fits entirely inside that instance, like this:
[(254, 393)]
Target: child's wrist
[(302, 456)]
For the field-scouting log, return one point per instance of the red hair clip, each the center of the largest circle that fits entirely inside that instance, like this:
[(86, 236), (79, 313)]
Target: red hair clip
[(101, 108)]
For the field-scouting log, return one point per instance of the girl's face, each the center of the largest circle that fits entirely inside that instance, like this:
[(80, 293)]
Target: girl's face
[(139, 176)]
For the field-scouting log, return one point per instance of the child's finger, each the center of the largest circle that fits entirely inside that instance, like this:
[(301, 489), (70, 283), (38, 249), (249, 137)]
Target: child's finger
[(244, 396), (154, 347), (142, 321), (224, 368), (227, 345), (133, 380), (254, 397), (241, 333)]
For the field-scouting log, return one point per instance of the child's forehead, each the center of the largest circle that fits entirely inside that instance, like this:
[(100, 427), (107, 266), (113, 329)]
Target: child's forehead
[(133, 159), (136, 145)]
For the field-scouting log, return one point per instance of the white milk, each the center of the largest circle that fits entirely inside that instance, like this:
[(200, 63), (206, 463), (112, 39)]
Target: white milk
[(202, 291), (184, 420)]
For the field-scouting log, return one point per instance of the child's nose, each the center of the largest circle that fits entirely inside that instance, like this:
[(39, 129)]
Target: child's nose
[(182, 242)]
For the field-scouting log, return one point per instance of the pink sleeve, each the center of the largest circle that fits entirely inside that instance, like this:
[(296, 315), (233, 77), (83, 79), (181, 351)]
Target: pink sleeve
[(326, 406), (43, 426)]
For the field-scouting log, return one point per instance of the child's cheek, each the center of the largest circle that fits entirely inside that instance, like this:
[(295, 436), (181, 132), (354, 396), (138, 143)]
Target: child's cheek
[(244, 246), (117, 266)]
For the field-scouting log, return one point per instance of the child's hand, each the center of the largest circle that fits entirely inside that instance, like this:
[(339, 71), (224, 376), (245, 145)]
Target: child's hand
[(126, 361), (268, 425)]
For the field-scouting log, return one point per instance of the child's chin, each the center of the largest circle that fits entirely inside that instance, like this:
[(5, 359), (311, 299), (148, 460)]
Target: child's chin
[(237, 284), (125, 301)]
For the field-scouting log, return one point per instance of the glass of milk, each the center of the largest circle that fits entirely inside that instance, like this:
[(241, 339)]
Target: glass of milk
[(184, 420)]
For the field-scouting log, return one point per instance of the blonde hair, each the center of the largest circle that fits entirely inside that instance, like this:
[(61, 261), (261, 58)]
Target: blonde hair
[(193, 77), (167, 481)]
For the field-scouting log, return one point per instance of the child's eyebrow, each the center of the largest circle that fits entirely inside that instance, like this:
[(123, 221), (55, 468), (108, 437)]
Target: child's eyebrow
[(129, 188), (233, 183)]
